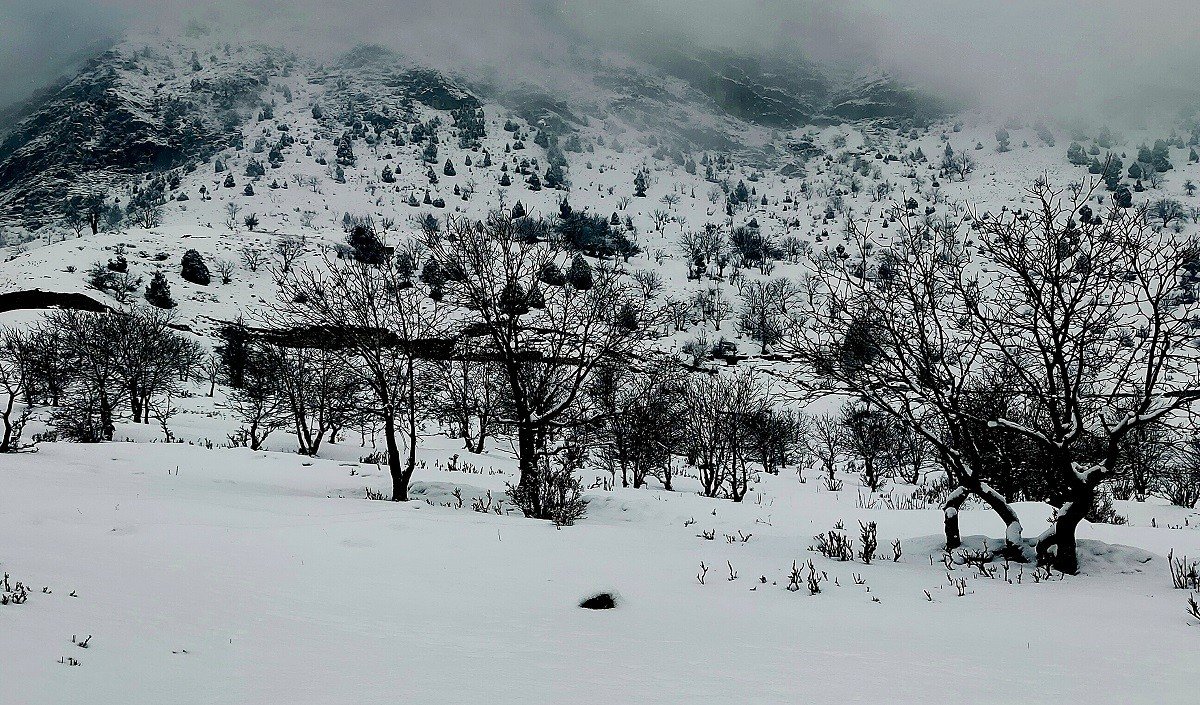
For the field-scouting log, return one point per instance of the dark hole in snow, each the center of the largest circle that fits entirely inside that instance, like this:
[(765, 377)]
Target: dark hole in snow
[(601, 601)]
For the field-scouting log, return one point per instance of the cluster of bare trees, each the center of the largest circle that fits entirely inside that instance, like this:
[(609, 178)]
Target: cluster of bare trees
[(484, 326), (1061, 330), (93, 369), (729, 422)]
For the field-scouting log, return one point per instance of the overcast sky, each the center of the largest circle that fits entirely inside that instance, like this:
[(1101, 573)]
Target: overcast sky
[(1056, 56)]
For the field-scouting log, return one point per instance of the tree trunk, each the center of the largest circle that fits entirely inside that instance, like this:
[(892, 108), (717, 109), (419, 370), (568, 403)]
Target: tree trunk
[(1014, 544), (1056, 546), (399, 481), (527, 462), (954, 502)]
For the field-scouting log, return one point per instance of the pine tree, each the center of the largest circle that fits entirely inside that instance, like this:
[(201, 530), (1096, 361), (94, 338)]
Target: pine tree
[(580, 273), (345, 151), (193, 269), (366, 245), (158, 291), (639, 184)]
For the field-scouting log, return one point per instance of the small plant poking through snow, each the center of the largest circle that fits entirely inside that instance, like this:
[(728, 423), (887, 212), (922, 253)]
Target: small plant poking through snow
[(1185, 574), (834, 544), (869, 540), (13, 592)]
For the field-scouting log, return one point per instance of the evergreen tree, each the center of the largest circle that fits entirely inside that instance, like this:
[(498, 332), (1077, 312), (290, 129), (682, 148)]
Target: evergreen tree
[(193, 269), (366, 245), (345, 151), (580, 273), (158, 291), (639, 184), (555, 178)]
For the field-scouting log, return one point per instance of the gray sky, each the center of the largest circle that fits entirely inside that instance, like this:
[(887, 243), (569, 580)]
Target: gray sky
[(1068, 58)]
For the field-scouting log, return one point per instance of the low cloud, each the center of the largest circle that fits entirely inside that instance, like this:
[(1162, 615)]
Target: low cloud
[(1099, 59)]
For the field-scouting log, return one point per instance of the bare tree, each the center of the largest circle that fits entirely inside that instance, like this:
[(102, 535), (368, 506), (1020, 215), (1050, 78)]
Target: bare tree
[(256, 402), (253, 258), (14, 411), (648, 282), (825, 441), (717, 410), (870, 438), (288, 249), (224, 268), (470, 400), (660, 218), (1082, 321), (769, 310), (640, 420), (321, 394), (231, 215), (547, 337), (376, 322)]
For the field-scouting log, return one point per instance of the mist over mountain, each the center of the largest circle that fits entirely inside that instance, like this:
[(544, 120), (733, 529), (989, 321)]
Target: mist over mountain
[(1058, 58)]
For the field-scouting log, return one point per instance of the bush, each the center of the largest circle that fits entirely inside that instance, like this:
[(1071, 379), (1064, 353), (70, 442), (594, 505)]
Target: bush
[(367, 246), (557, 495), (78, 419), (193, 269), (580, 274)]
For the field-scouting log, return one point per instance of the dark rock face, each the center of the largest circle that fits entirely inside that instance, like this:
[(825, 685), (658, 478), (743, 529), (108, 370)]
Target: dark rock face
[(600, 601), (122, 116), (36, 299), (787, 92)]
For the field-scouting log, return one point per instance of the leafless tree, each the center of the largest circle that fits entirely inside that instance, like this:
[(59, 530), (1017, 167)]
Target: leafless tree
[(640, 422), (717, 407), (769, 309), (1084, 320), (288, 249), (660, 218), (319, 392), (253, 258), (224, 269), (375, 321), (825, 442), (14, 411), (648, 282), (470, 399), (256, 402), (231, 215), (870, 438), (548, 338)]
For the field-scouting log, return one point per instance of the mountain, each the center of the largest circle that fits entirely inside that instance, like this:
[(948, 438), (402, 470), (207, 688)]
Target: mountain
[(129, 111), (148, 106)]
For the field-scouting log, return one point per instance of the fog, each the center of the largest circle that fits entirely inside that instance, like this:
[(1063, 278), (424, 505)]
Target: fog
[(1098, 59)]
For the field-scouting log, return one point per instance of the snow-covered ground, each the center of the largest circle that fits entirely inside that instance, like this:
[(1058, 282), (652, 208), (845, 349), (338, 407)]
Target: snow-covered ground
[(231, 576)]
